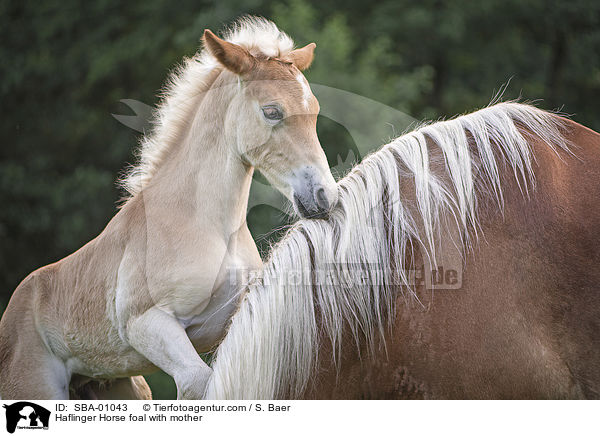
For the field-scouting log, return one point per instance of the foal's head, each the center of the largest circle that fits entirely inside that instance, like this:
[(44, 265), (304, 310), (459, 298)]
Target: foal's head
[(274, 118)]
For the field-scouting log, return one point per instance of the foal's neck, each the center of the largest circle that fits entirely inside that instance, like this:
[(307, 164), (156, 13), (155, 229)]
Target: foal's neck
[(204, 176)]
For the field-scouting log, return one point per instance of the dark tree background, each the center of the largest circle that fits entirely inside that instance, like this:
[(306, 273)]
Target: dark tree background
[(65, 64)]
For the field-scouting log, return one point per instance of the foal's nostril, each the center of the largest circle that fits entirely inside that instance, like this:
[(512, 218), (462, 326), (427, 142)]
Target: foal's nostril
[(321, 199)]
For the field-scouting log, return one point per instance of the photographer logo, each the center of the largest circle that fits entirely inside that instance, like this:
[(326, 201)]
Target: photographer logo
[(26, 415)]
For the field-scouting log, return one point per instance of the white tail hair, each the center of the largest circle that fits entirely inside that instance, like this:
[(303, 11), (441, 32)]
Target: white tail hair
[(272, 344), (185, 84)]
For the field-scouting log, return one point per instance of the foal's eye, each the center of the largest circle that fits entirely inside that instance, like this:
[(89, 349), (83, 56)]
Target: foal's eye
[(272, 114)]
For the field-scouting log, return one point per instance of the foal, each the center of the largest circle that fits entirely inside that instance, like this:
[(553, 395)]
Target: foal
[(152, 290)]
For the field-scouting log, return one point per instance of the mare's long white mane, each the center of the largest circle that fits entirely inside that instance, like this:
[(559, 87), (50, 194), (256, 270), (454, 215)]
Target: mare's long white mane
[(185, 84), (272, 345)]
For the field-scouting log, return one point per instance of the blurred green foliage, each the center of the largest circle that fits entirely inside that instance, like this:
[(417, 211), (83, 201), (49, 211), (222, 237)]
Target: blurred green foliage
[(65, 64)]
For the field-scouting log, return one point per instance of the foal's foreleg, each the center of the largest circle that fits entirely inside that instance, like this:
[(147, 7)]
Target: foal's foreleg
[(163, 341)]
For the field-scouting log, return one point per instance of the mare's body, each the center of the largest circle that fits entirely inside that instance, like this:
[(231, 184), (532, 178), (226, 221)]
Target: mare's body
[(524, 321)]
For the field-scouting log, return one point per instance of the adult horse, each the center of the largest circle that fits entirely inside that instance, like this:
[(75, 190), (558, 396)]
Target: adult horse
[(506, 201), (153, 288)]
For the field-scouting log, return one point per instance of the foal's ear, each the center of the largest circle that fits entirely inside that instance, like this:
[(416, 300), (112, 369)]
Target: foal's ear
[(233, 57), (303, 57)]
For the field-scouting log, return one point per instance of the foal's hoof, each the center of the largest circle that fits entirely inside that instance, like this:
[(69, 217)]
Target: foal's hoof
[(193, 385)]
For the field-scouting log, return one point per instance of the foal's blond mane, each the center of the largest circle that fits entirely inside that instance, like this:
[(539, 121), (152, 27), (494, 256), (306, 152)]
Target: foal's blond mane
[(397, 199), (185, 84)]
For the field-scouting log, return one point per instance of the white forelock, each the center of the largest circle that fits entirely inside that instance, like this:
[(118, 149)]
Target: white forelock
[(271, 348), (185, 84)]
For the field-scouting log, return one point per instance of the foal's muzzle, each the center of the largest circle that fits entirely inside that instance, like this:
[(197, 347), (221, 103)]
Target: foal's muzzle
[(314, 204), (314, 190)]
